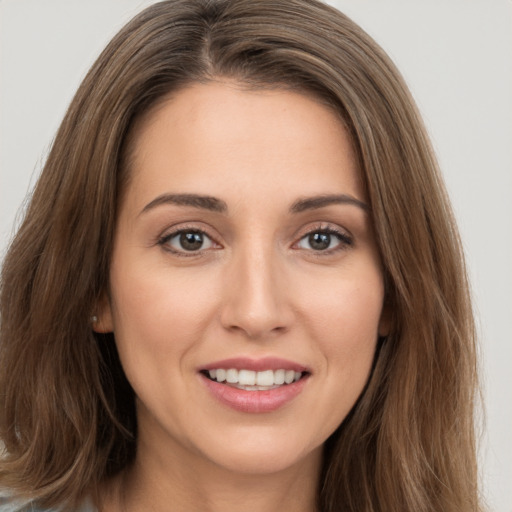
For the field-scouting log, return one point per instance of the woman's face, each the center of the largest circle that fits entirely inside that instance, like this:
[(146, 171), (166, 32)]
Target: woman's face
[(243, 257)]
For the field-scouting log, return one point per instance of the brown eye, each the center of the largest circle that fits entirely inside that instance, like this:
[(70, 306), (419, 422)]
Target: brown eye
[(319, 241), (191, 241), (187, 241), (324, 240)]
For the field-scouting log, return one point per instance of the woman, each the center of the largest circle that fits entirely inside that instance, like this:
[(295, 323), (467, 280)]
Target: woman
[(239, 283)]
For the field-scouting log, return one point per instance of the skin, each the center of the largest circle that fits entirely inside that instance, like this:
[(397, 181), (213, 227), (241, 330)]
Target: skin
[(255, 288)]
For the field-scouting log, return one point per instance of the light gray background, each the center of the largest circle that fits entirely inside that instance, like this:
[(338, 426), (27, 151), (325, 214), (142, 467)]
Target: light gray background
[(457, 58)]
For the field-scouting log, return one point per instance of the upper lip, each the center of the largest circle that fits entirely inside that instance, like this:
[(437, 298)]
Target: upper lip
[(257, 365)]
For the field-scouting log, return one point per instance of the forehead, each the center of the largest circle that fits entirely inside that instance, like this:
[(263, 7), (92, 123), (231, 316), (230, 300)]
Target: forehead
[(209, 137)]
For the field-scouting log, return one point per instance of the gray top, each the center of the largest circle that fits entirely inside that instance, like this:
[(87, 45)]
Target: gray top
[(11, 505)]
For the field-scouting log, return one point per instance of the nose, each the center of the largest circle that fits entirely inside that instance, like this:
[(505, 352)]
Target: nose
[(256, 296)]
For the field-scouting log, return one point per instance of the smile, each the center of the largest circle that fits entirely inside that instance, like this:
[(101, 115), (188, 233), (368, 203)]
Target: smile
[(251, 380), (255, 385)]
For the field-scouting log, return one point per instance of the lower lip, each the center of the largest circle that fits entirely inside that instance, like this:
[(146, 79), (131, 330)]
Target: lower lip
[(254, 401)]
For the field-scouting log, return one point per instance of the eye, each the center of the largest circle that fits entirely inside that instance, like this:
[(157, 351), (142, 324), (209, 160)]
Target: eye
[(187, 240), (324, 240)]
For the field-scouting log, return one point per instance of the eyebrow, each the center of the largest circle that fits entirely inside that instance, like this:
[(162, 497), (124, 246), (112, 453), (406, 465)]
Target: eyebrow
[(313, 203), (195, 200), (218, 205)]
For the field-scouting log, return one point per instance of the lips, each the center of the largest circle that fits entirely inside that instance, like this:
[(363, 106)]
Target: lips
[(255, 386)]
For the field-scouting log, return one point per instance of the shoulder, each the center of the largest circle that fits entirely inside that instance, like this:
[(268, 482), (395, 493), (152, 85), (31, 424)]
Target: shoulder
[(11, 505)]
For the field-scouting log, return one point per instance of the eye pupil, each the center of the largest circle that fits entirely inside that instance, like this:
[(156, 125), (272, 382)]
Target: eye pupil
[(319, 241), (191, 241)]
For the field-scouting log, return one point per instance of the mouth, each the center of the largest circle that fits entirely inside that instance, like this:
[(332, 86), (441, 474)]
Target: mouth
[(251, 385), (251, 380)]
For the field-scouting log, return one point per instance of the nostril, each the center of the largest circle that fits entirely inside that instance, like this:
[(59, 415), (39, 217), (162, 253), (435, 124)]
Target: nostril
[(257, 309)]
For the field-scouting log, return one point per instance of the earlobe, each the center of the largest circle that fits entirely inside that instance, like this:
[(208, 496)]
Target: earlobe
[(102, 318)]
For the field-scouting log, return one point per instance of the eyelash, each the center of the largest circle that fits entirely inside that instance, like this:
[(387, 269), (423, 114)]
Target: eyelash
[(165, 239), (345, 241)]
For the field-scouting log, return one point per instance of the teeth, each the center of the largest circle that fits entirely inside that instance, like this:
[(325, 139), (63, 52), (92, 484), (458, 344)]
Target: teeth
[(289, 376), (232, 376), (248, 379), (265, 378), (279, 377)]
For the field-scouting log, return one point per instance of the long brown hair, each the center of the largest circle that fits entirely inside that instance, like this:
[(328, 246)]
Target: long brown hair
[(67, 416)]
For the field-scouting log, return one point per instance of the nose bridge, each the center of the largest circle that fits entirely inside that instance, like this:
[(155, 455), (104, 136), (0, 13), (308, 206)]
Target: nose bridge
[(256, 302)]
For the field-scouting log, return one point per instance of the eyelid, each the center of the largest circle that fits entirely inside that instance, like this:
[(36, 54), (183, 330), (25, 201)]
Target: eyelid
[(175, 230), (345, 237)]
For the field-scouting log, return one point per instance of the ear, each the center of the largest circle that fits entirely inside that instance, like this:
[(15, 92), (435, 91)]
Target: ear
[(102, 317)]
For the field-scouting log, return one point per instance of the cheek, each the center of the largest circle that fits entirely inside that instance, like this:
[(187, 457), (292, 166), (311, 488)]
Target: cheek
[(347, 305), (156, 327), (158, 310), (343, 317)]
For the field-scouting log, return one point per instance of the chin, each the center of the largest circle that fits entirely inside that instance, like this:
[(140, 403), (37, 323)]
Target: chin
[(256, 454)]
